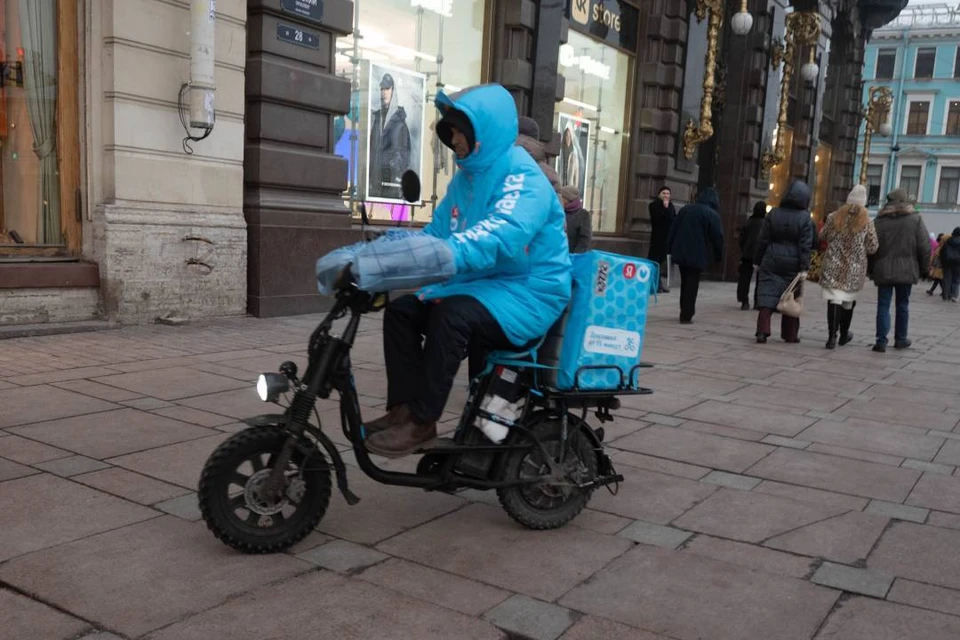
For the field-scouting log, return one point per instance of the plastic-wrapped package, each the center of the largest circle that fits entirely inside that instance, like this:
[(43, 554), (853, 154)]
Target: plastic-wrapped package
[(399, 259)]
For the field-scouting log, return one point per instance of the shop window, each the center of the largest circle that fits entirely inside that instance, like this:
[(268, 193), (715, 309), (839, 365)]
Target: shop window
[(886, 63), (30, 215), (407, 50), (874, 184), (591, 119), (780, 177), (917, 118), (953, 119), (910, 180), (926, 57), (949, 187), (822, 161)]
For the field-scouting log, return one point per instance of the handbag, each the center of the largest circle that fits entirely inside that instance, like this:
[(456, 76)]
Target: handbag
[(790, 305)]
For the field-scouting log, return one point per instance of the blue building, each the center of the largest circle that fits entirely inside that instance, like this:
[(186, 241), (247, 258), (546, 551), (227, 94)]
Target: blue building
[(917, 56)]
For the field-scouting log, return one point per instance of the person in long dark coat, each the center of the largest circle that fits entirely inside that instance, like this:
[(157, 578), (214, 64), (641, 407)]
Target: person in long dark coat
[(783, 251), (662, 215), (749, 234), (694, 236)]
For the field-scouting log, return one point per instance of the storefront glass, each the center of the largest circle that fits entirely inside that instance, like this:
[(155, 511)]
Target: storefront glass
[(780, 174), (406, 50), (593, 123), (29, 176)]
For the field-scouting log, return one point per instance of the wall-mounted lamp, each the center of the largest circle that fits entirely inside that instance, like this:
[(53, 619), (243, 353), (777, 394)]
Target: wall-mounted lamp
[(875, 118), (742, 21), (694, 135), (802, 29)]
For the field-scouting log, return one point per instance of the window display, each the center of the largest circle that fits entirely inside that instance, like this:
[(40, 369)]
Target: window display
[(592, 121), (406, 51)]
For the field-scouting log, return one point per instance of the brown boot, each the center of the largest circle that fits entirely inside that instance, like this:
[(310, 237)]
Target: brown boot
[(402, 439), (396, 415)]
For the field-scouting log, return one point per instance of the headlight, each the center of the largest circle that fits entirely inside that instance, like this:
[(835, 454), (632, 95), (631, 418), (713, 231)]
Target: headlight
[(271, 385)]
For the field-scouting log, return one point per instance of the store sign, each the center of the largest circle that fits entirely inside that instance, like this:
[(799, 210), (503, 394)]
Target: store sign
[(297, 36), (443, 7), (613, 21), (310, 9), (569, 58)]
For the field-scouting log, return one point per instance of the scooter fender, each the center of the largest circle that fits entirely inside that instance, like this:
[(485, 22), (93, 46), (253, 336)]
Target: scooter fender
[(340, 469)]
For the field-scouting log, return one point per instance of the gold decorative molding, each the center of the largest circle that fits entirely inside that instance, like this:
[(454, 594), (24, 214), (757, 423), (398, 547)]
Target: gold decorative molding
[(694, 135), (776, 53), (878, 106), (802, 29)]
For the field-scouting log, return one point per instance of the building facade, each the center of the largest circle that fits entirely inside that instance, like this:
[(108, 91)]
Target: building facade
[(917, 56), (127, 212)]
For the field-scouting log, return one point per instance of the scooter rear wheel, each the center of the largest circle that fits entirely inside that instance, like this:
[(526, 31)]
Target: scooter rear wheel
[(237, 510), (546, 506)]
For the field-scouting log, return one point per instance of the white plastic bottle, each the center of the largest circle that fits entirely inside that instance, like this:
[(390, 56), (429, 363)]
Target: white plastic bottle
[(496, 404)]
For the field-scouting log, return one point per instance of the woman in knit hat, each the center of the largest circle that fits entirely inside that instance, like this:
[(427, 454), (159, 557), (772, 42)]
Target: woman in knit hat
[(578, 223), (850, 237)]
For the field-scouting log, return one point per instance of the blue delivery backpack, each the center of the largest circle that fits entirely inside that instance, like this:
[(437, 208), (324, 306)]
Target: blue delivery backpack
[(597, 342)]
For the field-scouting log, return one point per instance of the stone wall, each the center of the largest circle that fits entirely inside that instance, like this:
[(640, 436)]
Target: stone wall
[(166, 226)]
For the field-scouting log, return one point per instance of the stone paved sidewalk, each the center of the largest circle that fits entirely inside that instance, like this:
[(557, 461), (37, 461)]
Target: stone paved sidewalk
[(773, 492)]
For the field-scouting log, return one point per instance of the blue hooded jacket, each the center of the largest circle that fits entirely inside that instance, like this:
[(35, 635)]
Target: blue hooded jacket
[(503, 222)]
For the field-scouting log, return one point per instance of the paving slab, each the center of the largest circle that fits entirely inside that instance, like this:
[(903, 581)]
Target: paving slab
[(750, 556), (751, 517), (178, 464), (131, 486), (847, 538), (821, 382), (752, 418), (730, 480), (481, 543), (598, 521), (721, 430), (900, 413), (863, 581), (662, 402), (855, 454), (36, 404), (925, 596), (74, 465), (533, 619), (695, 448), (238, 404), (339, 607), (678, 597), (929, 467), (72, 373), (21, 617), (44, 510), (866, 479), (946, 520), (594, 628), (342, 556), (194, 416), (112, 433), (657, 535), (10, 470), (877, 439), (766, 397), (383, 511), (26, 451), (660, 465), (898, 511), (935, 491), (145, 576), (173, 383), (950, 453), (445, 589), (98, 390), (186, 507), (790, 443), (919, 552), (651, 496), (869, 619)]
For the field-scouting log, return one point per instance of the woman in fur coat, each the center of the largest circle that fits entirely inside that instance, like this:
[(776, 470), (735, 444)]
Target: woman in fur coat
[(850, 237)]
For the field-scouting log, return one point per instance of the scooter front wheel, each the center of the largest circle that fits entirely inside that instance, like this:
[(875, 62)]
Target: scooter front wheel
[(546, 505), (239, 511)]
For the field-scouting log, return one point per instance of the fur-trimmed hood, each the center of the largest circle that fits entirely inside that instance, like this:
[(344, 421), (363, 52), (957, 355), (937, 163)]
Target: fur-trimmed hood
[(850, 218), (896, 209)]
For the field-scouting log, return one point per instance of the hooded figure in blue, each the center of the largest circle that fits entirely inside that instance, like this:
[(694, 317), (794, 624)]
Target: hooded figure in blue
[(504, 225)]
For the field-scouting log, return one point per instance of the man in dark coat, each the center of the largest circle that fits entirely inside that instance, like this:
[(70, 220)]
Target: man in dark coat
[(695, 237), (902, 259), (950, 260), (389, 143), (749, 234), (577, 222), (783, 251), (662, 214)]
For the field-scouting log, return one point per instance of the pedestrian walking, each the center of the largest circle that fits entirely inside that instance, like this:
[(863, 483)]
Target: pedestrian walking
[(577, 220), (749, 234), (850, 238), (695, 236), (901, 259), (783, 252), (950, 261), (662, 215), (936, 268)]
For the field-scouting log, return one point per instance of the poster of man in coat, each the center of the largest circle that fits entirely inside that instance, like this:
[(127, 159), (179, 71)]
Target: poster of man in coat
[(574, 148), (395, 140)]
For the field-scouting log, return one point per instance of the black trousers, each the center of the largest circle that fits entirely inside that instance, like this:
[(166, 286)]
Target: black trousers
[(743, 282), (424, 344), (689, 288)]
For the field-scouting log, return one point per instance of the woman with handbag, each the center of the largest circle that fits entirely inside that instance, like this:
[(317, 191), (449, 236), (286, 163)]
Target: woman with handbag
[(783, 255), (851, 238)]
